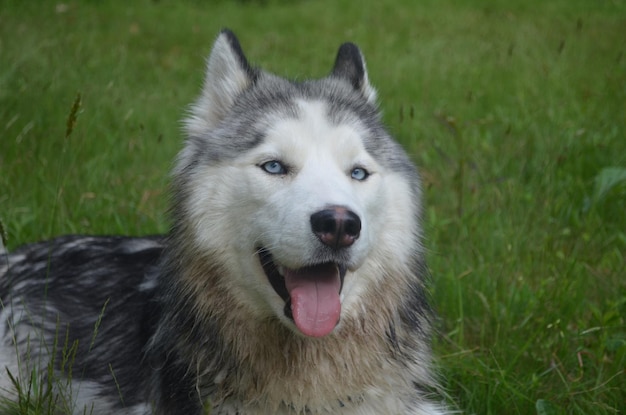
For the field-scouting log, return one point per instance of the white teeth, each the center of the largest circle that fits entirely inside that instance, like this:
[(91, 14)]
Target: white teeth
[(280, 270)]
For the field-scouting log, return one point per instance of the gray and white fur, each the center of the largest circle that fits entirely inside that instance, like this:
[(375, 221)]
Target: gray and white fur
[(291, 282)]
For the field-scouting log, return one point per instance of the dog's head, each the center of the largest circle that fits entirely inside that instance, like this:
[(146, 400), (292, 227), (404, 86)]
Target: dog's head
[(296, 188)]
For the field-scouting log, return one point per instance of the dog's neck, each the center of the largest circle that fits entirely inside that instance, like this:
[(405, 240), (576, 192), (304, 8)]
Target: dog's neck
[(261, 361)]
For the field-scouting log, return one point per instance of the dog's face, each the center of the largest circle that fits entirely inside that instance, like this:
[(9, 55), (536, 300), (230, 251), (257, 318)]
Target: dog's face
[(312, 196), (283, 182)]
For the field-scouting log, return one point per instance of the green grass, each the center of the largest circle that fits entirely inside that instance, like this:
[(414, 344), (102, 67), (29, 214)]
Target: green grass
[(515, 112)]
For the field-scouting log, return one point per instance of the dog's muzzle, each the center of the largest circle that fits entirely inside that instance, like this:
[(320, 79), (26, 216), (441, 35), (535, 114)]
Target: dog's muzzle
[(312, 292)]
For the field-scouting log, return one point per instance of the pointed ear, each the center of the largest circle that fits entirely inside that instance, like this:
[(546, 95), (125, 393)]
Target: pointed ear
[(228, 74), (350, 65)]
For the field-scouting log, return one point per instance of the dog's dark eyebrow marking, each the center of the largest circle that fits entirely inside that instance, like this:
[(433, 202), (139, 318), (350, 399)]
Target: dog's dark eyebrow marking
[(257, 138)]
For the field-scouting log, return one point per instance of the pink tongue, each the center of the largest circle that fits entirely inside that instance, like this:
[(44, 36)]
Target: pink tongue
[(314, 293)]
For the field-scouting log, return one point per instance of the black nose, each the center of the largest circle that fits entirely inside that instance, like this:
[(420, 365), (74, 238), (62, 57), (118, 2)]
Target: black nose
[(336, 226)]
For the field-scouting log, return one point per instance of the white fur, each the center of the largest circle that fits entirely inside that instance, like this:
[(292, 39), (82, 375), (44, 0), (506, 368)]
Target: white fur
[(85, 398), (8, 357), (251, 208)]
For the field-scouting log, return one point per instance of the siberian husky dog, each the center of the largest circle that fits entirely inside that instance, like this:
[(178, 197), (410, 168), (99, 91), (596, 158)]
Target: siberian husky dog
[(291, 282)]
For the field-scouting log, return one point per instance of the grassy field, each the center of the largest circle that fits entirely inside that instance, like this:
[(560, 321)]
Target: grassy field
[(515, 112)]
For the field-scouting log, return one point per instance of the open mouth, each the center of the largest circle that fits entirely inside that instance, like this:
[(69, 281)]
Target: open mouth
[(311, 293)]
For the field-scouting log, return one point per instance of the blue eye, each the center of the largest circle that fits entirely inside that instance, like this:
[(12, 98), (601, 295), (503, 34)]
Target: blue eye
[(359, 173), (274, 167)]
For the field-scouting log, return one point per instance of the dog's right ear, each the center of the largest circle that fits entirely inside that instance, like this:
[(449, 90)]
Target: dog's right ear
[(228, 73), (350, 66)]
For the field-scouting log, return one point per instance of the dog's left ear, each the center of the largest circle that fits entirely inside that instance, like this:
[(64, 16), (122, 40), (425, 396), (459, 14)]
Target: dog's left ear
[(228, 74), (350, 66)]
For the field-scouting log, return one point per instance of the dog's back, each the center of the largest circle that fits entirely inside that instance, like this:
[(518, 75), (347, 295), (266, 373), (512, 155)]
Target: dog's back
[(84, 307)]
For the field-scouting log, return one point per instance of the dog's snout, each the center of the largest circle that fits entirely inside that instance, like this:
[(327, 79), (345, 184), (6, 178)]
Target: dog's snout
[(336, 226)]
